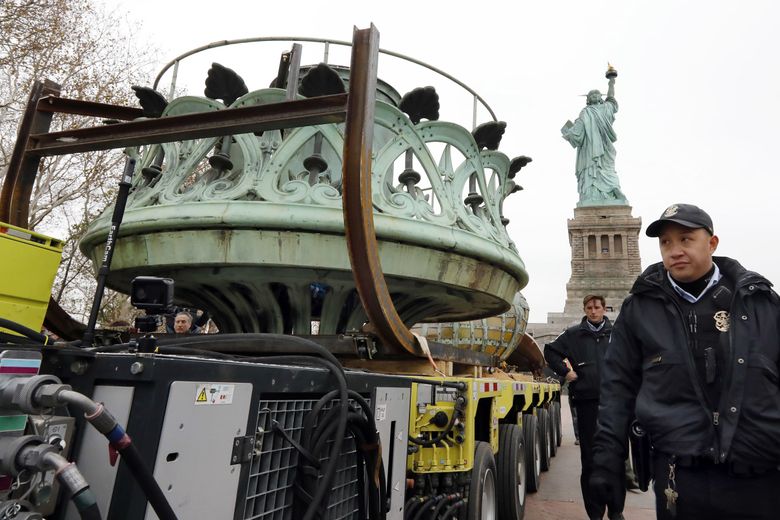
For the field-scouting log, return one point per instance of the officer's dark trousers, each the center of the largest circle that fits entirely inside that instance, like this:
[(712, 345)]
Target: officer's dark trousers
[(587, 412), (711, 492)]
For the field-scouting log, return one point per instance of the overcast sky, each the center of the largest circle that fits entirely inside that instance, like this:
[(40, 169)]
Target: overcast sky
[(698, 89)]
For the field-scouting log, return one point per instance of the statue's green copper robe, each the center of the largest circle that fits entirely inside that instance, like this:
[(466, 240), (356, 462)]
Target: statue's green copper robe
[(592, 134)]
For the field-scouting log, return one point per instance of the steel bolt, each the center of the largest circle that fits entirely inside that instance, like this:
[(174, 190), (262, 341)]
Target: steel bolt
[(136, 368)]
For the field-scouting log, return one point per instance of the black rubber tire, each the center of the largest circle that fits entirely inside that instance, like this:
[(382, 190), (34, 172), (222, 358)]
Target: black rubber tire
[(558, 430), (543, 424), (533, 452), (512, 472), (483, 478), (551, 430)]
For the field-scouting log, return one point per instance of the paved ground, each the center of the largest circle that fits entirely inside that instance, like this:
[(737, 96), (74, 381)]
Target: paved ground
[(559, 496)]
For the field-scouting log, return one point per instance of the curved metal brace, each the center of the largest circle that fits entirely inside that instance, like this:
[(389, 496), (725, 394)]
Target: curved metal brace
[(358, 209)]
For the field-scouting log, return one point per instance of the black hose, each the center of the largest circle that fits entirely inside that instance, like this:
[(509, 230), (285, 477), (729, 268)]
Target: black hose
[(172, 350), (428, 504), (363, 429), (24, 331), (252, 342), (118, 347), (92, 512), (147, 482), (6, 338), (408, 512), (408, 504), (184, 351), (442, 504), (454, 507)]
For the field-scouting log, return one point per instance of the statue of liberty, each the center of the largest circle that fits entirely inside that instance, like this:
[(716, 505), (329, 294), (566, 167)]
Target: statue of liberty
[(592, 134)]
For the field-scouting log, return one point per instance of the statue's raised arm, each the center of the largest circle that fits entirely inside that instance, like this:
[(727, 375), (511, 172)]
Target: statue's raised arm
[(592, 134), (611, 75)]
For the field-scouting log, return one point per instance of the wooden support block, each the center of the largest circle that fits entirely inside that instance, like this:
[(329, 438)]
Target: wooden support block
[(467, 371)]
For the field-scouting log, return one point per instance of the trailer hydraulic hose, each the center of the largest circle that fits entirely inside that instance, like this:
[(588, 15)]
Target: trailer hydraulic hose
[(416, 502), (239, 344), (24, 331), (442, 504), (33, 453), (453, 508), (426, 506), (69, 476), (184, 351), (147, 482), (367, 453), (367, 448), (409, 503), (6, 338)]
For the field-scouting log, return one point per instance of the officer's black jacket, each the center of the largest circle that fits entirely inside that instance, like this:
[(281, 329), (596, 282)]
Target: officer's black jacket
[(649, 371), (585, 350)]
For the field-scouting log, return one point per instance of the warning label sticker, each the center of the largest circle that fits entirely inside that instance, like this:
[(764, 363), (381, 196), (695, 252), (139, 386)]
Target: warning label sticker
[(214, 393)]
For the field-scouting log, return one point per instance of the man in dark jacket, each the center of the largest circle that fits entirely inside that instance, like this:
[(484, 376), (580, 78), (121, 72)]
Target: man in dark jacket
[(694, 355), (583, 347)]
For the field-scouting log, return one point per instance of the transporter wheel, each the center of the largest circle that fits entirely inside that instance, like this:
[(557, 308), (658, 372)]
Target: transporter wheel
[(543, 424), (558, 427), (552, 430), (533, 452), (482, 504), (511, 472)]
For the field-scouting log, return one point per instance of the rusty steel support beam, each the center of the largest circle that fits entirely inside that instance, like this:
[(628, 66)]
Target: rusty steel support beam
[(22, 168), (232, 121), (88, 108), (356, 197)]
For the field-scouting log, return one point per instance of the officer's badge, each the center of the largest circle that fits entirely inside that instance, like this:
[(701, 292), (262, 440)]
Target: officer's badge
[(722, 321), (671, 211)]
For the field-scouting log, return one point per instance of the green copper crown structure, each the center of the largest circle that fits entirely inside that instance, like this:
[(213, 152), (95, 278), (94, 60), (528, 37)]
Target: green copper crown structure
[(251, 227)]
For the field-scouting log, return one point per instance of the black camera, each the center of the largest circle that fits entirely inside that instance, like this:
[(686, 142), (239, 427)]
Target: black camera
[(153, 295)]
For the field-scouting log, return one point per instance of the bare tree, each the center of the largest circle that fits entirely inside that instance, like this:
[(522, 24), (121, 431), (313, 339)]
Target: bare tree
[(93, 55)]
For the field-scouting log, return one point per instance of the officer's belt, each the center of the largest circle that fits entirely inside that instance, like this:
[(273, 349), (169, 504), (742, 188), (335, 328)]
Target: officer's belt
[(734, 469)]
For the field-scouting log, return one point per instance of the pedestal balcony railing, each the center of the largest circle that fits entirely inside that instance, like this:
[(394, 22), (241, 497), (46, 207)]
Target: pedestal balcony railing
[(251, 226)]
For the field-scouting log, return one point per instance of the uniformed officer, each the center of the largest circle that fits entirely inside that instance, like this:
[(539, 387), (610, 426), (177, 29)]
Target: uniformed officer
[(578, 355), (694, 355)]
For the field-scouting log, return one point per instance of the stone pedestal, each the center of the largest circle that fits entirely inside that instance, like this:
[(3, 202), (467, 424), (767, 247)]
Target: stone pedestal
[(605, 259)]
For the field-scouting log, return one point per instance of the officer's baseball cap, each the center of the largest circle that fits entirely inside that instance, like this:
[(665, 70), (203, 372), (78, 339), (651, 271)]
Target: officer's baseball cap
[(686, 215)]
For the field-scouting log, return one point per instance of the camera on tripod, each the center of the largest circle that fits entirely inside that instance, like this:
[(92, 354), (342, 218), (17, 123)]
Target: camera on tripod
[(153, 295)]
